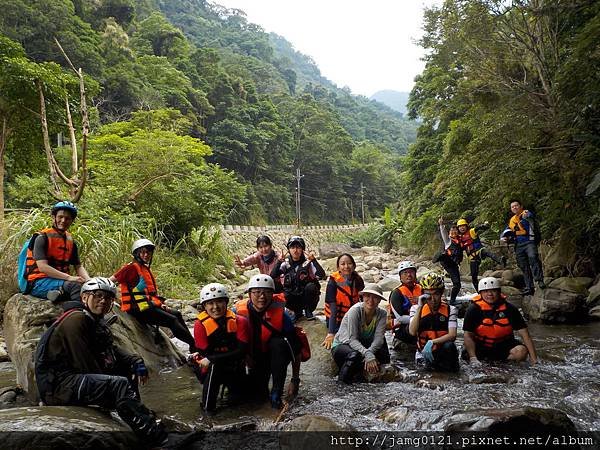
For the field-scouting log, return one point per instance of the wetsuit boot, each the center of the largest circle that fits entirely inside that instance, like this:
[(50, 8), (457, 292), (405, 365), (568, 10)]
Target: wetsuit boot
[(143, 422), (348, 369)]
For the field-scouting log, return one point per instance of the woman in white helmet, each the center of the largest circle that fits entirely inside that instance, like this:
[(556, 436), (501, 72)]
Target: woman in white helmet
[(221, 338), (139, 294)]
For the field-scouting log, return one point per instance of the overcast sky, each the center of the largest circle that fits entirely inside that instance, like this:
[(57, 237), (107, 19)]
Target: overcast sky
[(366, 45)]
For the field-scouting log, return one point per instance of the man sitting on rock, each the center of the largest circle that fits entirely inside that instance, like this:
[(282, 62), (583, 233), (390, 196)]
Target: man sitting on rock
[(51, 253), (434, 323), (77, 363), (488, 328), (400, 301)]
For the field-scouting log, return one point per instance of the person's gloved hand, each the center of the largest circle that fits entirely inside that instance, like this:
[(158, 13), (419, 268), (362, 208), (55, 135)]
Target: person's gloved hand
[(427, 352), (423, 299), (140, 371)]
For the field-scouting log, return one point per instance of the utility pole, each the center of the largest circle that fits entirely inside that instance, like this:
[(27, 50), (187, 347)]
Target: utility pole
[(352, 211), (298, 178), (362, 202)]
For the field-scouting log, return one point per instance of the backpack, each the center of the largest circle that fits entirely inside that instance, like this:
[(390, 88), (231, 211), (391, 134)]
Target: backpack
[(24, 286)]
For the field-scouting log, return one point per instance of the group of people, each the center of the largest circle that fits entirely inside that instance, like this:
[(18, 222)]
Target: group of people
[(462, 238), (248, 348)]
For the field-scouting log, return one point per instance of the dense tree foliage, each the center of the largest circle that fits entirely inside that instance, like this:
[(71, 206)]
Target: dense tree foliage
[(243, 109), (509, 106)]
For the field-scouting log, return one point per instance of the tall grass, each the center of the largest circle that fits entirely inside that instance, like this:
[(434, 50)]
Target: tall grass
[(104, 245)]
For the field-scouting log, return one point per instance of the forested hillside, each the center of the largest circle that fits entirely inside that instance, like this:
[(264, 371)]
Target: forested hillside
[(196, 116)]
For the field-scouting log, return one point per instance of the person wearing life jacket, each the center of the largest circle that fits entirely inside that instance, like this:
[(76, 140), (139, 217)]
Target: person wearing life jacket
[(489, 326), (77, 363), (526, 239), (434, 323), (360, 342), (265, 258), (451, 257), (299, 274), (51, 253), (342, 292), (472, 246), (139, 294), (401, 300), (222, 339), (273, 341)]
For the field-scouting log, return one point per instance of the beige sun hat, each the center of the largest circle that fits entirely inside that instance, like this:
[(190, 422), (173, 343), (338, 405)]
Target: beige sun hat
[(373, 288)]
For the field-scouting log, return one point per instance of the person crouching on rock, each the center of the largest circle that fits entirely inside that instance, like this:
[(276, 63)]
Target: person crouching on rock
[(222, 341), (434, 323), (342, 292), (360, 342), (401, 300), (300, 273), (139, 296), (489, 324), (273, 341), (265, 258), (77, 363)]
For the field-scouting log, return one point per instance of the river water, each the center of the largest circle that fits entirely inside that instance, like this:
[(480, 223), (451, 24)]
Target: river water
[(567, 379)]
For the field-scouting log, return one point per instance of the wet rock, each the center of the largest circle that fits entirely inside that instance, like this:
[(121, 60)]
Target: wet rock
[(560, 257), (26, 318), (314, 423), (555, 306), (320, 362), (374, 261), (63, 427), (594, 313), (491, 378), (8, 396), (3, 353), (578, 285), (511, 421), (594, 295), (509, 290)]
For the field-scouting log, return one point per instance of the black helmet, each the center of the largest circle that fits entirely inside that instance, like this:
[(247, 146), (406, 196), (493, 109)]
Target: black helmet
[(296, 240)]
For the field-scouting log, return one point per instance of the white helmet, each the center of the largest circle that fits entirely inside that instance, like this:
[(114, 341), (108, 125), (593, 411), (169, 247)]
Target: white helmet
[(141, 243), (261, 281), (488, 283), (406, 265), (213, 291), (99, 284)]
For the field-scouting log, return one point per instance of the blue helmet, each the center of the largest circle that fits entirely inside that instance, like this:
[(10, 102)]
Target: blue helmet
[(67, 206)]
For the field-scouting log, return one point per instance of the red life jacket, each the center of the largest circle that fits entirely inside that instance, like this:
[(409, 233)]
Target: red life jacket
[(273, 316), (432, 324), (59, 252), (469, 243), (495, 326), (345, 297), (143, 295), (219, 342)]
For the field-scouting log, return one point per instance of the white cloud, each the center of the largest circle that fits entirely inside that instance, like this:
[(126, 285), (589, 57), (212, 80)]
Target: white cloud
[(367, 46)]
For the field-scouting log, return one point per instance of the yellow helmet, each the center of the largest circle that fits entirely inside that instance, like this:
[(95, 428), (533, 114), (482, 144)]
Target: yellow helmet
[(432, 281), (462, 222)]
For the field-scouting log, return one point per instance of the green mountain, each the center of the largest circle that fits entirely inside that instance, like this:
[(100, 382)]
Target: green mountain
[(394, 99)]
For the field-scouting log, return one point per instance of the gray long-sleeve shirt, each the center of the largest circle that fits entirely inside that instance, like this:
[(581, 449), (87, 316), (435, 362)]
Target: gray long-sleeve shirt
[(350, 331)]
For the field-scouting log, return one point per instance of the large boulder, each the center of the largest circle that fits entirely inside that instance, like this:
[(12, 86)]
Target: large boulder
[(26, 318), (553, 305), (334, 250), (320, 362), (579, 285), (594, 295), (511, 421), (61, 427)]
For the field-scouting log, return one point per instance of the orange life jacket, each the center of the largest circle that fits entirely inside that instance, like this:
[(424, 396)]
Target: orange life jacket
[(495, 326), (59, 252), (345, 297), (432, 324), (411, 297), (469, 243), (224, 344), (143, 295), (273, 316)]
